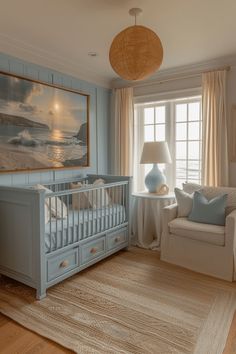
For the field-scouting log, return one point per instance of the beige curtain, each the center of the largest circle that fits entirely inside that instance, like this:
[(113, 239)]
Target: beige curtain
[(122, 132), (215, 146), (232, 135)]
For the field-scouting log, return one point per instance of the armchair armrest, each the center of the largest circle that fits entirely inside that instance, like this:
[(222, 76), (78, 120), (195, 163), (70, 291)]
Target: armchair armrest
[(169, 213), (230, 230)]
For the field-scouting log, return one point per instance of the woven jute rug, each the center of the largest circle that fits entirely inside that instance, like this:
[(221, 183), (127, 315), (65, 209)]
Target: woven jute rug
[(130, 303)]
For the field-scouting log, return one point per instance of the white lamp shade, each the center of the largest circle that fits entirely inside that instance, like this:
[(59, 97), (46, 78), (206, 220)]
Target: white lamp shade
[(155, 152)]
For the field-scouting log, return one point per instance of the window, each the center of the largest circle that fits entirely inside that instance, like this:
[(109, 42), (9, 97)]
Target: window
[(155, 123), (179, 123), (188, 141)]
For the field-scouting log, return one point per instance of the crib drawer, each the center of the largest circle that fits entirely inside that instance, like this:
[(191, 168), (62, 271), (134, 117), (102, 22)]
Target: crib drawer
[(92, 250), (115, 239), (63, 263)]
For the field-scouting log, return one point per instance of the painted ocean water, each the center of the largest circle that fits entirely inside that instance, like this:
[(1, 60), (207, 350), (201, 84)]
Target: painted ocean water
[(56, 145)]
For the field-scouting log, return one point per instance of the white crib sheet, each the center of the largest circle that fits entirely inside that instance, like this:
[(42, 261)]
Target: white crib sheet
[(82, 223)]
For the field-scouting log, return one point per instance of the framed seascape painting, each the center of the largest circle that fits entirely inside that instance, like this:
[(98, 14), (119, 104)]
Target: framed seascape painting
[(42, 126)]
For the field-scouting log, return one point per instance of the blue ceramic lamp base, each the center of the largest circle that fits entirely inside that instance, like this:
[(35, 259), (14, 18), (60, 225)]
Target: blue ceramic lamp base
[(154, 179)]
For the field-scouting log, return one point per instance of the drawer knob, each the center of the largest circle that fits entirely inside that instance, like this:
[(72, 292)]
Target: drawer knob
[(64, 264), (93, 250), (117, 239)]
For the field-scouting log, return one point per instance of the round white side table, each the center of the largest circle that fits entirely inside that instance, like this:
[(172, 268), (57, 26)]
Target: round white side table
[(147, 218)]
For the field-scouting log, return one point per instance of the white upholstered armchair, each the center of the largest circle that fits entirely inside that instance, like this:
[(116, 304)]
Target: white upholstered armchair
[(208, 249)]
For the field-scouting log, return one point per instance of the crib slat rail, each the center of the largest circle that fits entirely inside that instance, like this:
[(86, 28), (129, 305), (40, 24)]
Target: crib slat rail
[(84, 211)]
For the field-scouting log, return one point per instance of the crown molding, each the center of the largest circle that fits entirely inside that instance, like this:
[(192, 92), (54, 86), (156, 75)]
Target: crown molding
[(178, 72), (42, 57), (39, 56)]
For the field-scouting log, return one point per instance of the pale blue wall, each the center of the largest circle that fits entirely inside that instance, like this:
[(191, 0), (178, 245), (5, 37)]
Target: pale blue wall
[(99, 119)]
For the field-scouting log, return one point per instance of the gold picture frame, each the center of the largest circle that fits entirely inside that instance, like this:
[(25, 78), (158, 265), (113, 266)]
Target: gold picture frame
[(42, 126)]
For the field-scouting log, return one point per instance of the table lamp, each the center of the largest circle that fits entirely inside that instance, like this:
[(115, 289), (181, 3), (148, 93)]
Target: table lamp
[(155, 152)]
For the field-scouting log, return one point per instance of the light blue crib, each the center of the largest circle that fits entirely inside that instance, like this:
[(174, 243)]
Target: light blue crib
[(46, 237)]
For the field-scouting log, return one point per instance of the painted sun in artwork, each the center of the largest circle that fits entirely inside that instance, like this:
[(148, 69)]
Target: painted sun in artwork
[(41, 126)]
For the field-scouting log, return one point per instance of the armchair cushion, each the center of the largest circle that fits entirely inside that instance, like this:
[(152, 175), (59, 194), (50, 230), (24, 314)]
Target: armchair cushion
[(213, 234)]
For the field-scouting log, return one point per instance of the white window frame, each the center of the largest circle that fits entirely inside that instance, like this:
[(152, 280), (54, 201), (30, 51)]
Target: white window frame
[(170, 134), (186, 101)]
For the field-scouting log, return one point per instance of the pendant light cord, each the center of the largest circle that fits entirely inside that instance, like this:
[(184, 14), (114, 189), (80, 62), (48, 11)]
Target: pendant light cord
[(135, 12)]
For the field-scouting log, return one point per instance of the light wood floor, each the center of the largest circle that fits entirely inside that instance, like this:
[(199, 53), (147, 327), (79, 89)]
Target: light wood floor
[(15, 339), (230, 347)]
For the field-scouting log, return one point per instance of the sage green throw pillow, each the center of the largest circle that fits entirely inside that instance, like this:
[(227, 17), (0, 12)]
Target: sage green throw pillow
[(208, 211)]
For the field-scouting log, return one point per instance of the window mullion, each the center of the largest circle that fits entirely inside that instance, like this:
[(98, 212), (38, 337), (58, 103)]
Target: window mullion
[(172, 140), (155, 137)]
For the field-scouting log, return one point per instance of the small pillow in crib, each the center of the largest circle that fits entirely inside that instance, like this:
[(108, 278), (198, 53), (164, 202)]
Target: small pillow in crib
[(79, 200), (99, 181), (56, 207), (100, 198)]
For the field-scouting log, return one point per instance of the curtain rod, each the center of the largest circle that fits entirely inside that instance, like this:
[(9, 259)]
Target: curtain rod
[(194, 91), (227, 68)]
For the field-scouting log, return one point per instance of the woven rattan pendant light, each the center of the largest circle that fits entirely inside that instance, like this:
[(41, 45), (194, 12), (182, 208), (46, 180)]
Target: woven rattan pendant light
[(136, 52)]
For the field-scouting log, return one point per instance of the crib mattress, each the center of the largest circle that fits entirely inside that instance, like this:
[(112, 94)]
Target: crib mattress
[(81, 224)]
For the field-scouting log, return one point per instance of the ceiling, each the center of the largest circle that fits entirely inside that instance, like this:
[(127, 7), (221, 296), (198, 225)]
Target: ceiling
[(60, 33)]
